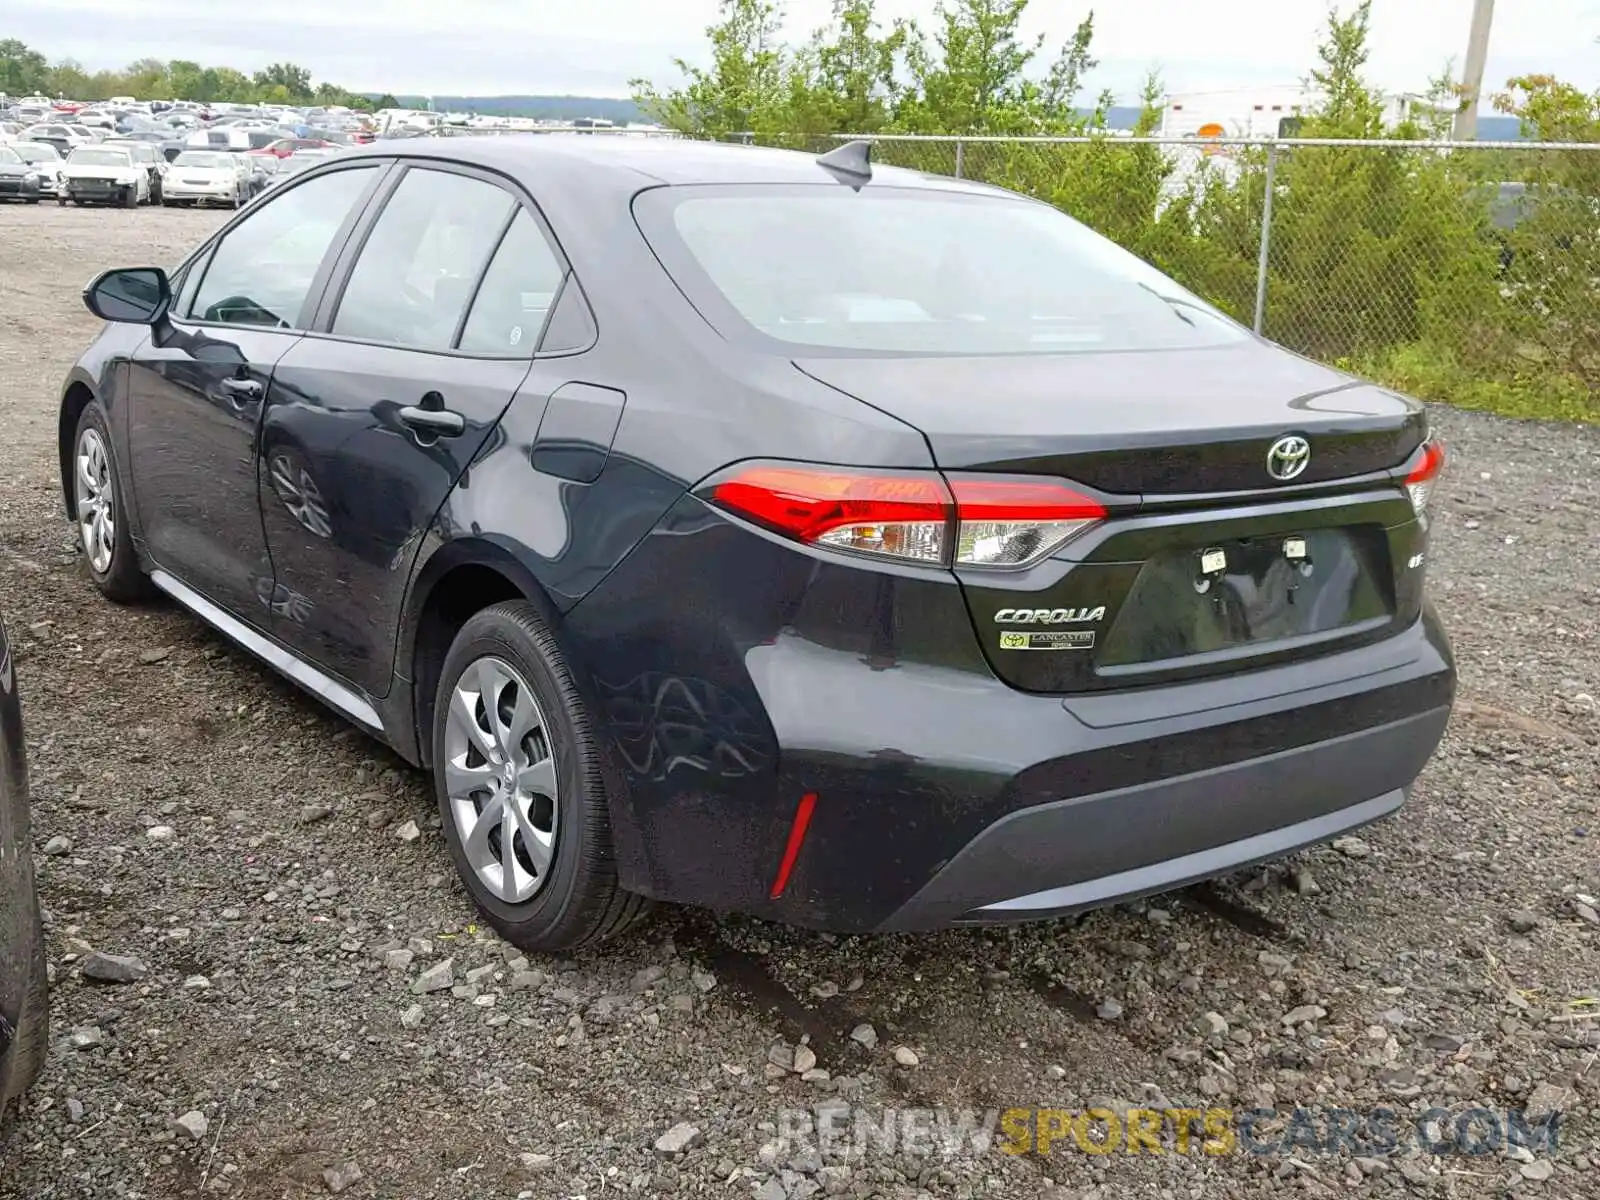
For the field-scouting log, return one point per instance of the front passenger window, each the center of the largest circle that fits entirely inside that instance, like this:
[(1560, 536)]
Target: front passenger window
[(263, 269)]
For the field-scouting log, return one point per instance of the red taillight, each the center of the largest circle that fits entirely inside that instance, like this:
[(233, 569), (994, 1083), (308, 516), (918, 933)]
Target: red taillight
[(1424, 474), (899, 515), (911, 515)]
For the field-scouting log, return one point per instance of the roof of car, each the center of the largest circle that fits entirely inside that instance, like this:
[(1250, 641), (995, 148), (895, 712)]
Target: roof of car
[(633, 162)]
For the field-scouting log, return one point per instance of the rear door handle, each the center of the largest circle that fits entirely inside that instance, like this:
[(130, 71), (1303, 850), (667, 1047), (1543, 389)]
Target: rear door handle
[(249, 389), (437, 422)]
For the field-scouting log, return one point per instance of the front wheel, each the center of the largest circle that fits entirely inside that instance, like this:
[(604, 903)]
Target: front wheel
[(517, 777), (101, 519)]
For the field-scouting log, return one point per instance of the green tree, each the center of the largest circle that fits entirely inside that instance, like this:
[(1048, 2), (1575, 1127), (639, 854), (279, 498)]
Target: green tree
[(856, 67), (971, 76), (232, 87), (745, 85), (68, 78), (188, 80), (1059, 95), (23, 70), (294, 80)]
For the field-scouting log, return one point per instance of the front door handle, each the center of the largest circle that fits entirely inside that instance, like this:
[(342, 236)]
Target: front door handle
[(246, 389), (435, 422)]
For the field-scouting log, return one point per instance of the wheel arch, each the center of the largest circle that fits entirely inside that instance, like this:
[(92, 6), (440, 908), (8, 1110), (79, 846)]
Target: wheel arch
[(77, 396), (459, 579)]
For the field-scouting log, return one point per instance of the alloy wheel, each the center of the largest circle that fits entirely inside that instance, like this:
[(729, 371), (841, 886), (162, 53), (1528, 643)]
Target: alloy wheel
[(500, 777), (97, 516)]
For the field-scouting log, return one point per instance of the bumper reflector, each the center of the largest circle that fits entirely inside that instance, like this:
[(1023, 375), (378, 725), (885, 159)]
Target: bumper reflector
[(797, 837)]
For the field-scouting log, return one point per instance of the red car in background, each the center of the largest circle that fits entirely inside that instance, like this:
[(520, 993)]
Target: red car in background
[(284, 147)]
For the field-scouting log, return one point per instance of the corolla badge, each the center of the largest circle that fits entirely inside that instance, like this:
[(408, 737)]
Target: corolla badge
[(1288, 458)]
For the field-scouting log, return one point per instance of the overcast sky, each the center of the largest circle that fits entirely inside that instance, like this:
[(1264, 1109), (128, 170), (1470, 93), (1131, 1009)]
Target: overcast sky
[(593, 47)]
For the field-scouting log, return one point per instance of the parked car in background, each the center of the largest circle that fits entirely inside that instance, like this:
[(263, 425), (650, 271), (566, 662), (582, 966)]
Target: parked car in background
[(104, 175), (155, 166), (19, 180), (284, 147), (47, 160), (258, 172), (288, 168), (24, 1015), (199, 177), (62, 137)]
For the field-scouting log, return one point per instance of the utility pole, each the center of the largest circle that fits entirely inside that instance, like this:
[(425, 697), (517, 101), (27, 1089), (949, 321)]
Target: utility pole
[(1465, 127)]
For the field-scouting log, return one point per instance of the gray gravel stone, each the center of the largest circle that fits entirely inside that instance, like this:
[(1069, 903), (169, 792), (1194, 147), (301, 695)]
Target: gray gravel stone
[(678, 1139), (437, 978), (344, 1175), (112, 968), (192, 1125)]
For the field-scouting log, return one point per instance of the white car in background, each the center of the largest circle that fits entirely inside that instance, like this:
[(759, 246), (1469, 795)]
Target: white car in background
[(104, 175), (199, 177), (45, 159)]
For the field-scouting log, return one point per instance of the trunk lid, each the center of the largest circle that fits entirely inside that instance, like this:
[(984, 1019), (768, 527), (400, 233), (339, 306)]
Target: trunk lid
[(1206, 564), (1153, 423)]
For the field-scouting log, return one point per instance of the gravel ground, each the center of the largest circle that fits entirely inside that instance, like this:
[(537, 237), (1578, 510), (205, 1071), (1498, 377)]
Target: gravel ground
[(272, 1040)]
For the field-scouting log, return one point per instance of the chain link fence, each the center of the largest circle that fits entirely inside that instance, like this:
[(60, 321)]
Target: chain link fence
[(1464, 272), (1457, 271)]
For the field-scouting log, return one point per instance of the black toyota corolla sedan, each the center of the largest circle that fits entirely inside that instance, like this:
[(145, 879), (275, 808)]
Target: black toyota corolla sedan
[(849, 546), (22, 969)]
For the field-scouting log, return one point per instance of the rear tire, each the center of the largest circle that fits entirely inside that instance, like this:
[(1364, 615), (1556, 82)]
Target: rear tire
[(560, 890), (108, 553)]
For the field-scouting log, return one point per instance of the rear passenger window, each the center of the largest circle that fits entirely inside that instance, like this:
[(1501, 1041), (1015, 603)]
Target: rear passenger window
[(514, 301), (415, 274), (262, 270)]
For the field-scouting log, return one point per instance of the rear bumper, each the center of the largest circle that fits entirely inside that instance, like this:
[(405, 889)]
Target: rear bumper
[(941, 794), (1086, 851)]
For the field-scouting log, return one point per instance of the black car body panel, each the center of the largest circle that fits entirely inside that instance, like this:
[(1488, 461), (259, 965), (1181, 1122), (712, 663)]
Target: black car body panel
[(1110, 421), (740, 677), (21, 939)]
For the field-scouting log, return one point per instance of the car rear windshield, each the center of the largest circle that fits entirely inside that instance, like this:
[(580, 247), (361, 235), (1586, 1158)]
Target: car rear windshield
[(910, 271), (86, 157)]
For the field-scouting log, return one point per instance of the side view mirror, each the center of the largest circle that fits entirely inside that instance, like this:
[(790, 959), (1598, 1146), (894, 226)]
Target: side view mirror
[(131, 295)]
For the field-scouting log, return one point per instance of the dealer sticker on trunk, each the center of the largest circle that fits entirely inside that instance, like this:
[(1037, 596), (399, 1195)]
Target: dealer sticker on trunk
[(1076, 639)]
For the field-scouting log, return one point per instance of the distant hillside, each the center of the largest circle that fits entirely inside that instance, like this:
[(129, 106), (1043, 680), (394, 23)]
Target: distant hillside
[(570, 108), (544, 108)]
